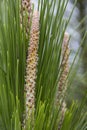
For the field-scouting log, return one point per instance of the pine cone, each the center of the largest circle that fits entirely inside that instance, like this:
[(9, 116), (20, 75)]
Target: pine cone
[(31, 68), (62, 85), (25, 16)]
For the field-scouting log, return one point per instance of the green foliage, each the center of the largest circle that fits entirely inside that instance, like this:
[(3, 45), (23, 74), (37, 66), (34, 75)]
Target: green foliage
[(13, 48), (12, 65)]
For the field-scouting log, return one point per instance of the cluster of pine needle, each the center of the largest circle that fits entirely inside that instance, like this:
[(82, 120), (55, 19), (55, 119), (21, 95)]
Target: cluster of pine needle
[(34, 68)]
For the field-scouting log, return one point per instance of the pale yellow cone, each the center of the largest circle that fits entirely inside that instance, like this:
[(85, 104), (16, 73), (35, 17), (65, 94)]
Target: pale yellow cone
[(62, 85), (25, 16), (31, 67)]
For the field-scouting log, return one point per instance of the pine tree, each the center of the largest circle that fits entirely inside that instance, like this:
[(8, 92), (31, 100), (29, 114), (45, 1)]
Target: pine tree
[(34, 68)]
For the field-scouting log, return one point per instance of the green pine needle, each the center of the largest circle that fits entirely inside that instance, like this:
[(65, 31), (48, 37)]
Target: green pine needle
[(13, 52)]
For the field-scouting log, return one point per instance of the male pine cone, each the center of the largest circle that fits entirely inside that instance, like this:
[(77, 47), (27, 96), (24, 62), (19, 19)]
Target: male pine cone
[(31, 67), (62, 85), (25, 16)]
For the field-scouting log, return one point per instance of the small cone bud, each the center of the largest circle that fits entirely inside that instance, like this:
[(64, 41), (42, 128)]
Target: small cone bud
[(25, 15)]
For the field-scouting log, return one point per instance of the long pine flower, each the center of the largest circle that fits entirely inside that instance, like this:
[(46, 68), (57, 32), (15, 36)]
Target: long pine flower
[(31, 67), (62, 85)]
